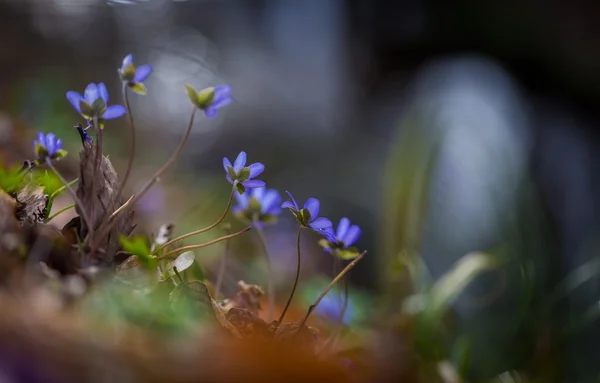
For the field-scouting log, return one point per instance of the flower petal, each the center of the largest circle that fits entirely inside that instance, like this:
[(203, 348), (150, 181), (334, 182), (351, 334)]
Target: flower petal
[(270, 199), (58, 144), (74, 99), (114, 111), (91, 93), (142, 72), (210, 112), (256, 169), (51, 143), (222, 91), (41, 139), (221, 102), (229, 179), (242, 199), (251, 184), (288, 205), (127, 61), (351, 236), (293, 201), (320, 223), (103, 92), (240, 162), (312, 205), (226, 163), (342, 228)]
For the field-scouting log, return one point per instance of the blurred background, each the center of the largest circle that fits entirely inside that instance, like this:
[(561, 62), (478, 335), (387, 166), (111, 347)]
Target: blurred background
[(440, 127)]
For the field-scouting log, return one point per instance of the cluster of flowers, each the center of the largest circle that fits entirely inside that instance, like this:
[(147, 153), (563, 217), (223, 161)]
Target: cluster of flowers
[(256, 204)]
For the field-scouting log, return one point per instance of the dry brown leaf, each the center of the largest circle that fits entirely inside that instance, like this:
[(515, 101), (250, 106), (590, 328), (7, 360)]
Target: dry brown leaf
[(248, 298), (31, 205), (248, 323), (106, 186)]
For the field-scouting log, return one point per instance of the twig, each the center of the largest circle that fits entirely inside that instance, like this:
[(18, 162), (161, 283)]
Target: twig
[(192, 247), (331, 284)]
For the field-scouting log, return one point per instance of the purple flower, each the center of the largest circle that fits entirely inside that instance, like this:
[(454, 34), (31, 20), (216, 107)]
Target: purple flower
[(331, 307), (259, 206), (340, 241), (210, 99), (47, 146), (308, 216), (240, 175), (134, 76), (94, 104)]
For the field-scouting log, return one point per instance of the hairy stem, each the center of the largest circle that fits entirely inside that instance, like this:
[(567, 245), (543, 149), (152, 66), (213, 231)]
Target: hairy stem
[(330, 286), (222, 266), (191, 234), (287, 305), (270, 286), (82, 210), (206, 244), (131, 149)]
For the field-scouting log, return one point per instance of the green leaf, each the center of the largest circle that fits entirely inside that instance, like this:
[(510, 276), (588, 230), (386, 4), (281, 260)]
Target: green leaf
[(140, 247), (11, 180), (182, 262), (240, 188), (231, 172), (49, 181), (451, 284), (138, 88), (60, 154), (192, 95), (243, 174)]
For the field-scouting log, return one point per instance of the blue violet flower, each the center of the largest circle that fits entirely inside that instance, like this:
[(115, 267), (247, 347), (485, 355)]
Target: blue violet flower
[(46, 146), (259, 206), (134, 76), (308, 216), (94, 104), (240, 175), (339, 242), (210, 99)]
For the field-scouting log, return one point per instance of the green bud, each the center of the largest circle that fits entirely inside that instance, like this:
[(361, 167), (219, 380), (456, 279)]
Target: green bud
[(138, 88), (192, 94), (86, 109), (205, 98), (324, 243), (128, 74), (348, 254)]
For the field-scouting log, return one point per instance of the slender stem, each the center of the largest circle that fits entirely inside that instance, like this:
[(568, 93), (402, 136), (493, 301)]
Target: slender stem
[(131, 148), (191, 234), (59, 212), (93, 197), (206, 244), (287, 305), (156, 177), (222, 266), (270, 286), (82, 211), (331, 284)]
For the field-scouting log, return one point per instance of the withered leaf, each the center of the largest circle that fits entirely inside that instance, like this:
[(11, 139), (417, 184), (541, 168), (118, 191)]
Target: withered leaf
[(248, 297), (198, 293), (248, 323), (291, 332), (106, 185), (31, 204)]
